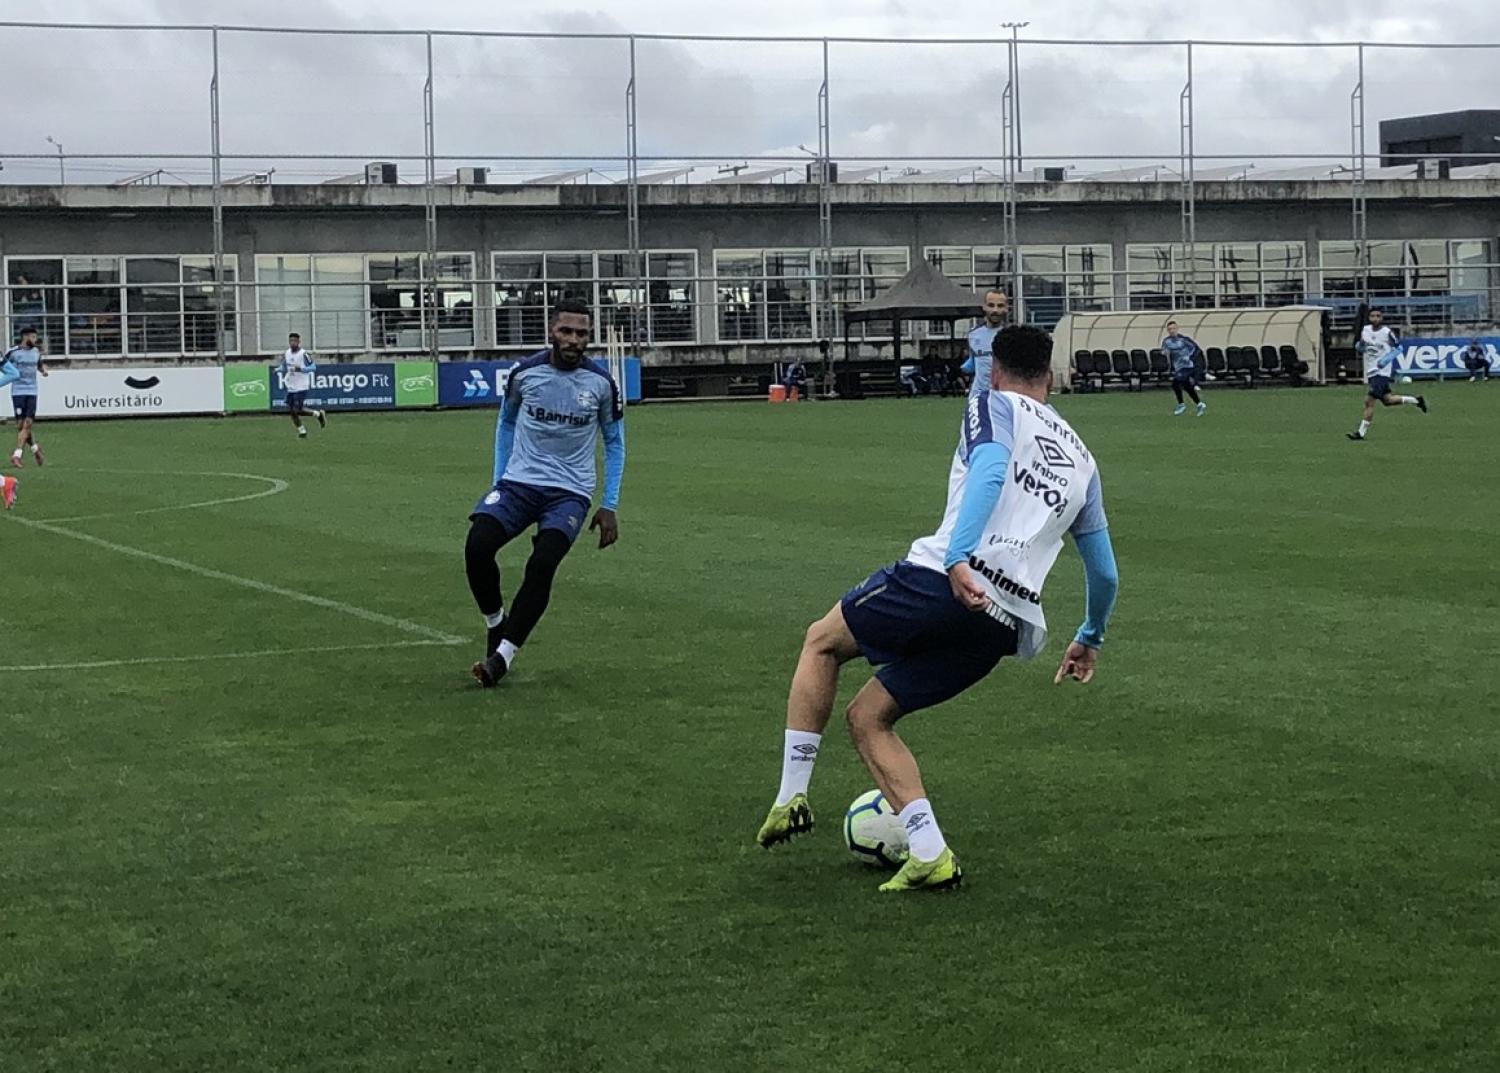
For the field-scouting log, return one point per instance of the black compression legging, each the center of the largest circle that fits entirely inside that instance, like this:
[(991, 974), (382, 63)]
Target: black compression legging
[(1179, 386), (486, 538)]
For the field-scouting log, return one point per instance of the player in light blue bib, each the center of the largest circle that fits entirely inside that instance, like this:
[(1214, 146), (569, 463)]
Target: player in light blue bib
[(558, 404), (27, 361)]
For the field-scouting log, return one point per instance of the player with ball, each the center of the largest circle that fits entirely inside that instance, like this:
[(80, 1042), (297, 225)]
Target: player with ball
[(937, 622)]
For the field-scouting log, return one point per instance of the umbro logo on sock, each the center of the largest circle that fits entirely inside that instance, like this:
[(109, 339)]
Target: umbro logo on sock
[(805, 749), (916, 821)]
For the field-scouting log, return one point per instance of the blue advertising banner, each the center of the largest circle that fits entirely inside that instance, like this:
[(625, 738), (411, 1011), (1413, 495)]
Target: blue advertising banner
[(343, 387), (1442, 356), (482, 383), (472, 383)]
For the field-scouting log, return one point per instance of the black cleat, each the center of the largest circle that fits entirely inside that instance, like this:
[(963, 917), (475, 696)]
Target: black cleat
[(1422, 403), (488, 672), (1355, 436)]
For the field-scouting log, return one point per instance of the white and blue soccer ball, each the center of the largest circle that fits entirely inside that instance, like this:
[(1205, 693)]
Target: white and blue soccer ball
[(1406, 379), (872, 832)]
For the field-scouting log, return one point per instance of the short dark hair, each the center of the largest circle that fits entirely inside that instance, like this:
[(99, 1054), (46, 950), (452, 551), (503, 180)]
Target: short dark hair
[(1024, 351), (572, 305), (996, 290), (28, 329), (1170, 323), (293, 335)]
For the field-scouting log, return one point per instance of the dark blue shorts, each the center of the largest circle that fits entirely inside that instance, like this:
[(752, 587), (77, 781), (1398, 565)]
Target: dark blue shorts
[(296, 400), (25, 406), (926, 647), (518, 506), (1185, 377), (1379, 387)]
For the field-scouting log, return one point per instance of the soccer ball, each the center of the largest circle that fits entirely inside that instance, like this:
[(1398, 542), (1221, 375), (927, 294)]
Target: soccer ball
[(1406, 379), (872, 833)]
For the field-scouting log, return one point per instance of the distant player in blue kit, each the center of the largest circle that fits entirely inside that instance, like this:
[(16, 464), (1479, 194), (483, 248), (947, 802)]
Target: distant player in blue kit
[(1181, 351), (982, 342), (26, 358), (9, 374), (939, 621), (1381, 346), (558, 404)]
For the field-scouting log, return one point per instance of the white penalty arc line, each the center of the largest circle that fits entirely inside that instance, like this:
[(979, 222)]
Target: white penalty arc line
[(96, 664), (276, 487), (404, 625)]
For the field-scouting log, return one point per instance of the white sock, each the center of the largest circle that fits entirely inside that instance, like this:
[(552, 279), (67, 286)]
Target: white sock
[(507, 652), (16, 453), (798, 755), (494, 620), (922, 830), (36, 448), (1408, 400), (1364, 426)]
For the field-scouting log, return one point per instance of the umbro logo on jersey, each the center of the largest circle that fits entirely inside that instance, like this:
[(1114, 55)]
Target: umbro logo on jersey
[(1053, 454)]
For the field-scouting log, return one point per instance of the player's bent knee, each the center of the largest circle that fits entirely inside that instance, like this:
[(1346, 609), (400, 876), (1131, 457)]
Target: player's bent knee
[(485, 539)]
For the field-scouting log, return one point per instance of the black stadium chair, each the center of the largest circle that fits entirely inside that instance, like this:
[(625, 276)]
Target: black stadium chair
[(1292, 362), (1083, 371), (1242, 364), (1216, 361), (1101, 367), (1120, 361), (1140, 365), (1270, 361), (1160, 367)]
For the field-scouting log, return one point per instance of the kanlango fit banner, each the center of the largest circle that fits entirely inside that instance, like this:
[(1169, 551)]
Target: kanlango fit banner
[(132, 392), (358, 386)]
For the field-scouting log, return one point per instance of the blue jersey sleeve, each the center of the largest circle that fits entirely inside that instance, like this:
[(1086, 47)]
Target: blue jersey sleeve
[(9, 374), (968, 365), (1101, 585), (987, 462), (614, 463), (505, 426), (991, 418), (1091, 518)]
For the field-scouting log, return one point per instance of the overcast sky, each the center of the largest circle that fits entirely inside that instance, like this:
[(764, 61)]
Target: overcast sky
[(132, 93)]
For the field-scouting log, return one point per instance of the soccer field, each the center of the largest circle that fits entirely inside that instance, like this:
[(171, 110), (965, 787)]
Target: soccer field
[(257, 816)]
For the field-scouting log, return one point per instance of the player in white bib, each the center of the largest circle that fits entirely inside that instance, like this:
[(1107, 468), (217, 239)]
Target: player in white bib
[(297, 368), (937, 622), (1381, 346)]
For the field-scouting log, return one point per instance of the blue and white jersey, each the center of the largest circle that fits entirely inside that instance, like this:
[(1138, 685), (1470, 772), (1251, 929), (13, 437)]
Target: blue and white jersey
[(551, 419), (1050, 488), (297, 367), (1180, 351), (981, 358), (1380, 347), (26, 359)]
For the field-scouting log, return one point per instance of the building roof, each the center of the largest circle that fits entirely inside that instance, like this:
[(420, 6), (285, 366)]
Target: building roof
[(924, 293)]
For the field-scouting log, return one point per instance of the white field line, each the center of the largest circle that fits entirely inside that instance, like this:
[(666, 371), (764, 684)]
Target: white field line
[(404, 625), (94, 664), (276, 487)]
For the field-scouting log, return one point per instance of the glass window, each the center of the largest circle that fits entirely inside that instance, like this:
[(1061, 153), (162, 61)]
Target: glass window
[(153, 298), (200, 300), (285, 294), (1090, 280), (955, 262), (395, 301), (1428, 262), (788, 294), (94, 306), (674, 296), (741, 303), (35, 295), (520, 300), (340, 322), (1283, 273), (1239, 274), (1043, 284), (453, 302), (1149, 278), (621, 301)]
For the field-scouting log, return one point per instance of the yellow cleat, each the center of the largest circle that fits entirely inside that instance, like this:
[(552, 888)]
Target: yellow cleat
[(941, 874), (785, 822)]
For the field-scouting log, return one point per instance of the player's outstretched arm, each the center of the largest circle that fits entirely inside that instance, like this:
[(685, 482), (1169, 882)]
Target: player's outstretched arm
[(1101, 585)]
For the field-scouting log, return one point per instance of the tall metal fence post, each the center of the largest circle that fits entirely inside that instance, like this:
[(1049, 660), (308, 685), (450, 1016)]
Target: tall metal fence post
[(1358, 215), (432, 306), (218, 204), (633, 207), (829, 319), (1009, 238), (1188, 191)]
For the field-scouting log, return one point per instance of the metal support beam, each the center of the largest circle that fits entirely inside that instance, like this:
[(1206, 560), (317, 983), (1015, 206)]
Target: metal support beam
[(218, 202), (433, 302), (1009, 237), (825, 210), (1358, 215), (1189, 191), (633, 207)]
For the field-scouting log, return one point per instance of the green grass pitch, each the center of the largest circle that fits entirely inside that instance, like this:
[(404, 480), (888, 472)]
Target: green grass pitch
[(1265, 838)]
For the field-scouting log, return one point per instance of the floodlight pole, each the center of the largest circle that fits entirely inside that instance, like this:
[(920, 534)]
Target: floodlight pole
[(218, 204), (825, 209), (1358, 215), (1015, 29), (1009, 238), (1189, 193), (432, 302), (633, 204)]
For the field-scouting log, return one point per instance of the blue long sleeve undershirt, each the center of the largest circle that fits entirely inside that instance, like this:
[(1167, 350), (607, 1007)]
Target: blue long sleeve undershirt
[(1101, 579), (614, 463), (9, 374), (505, 435)]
